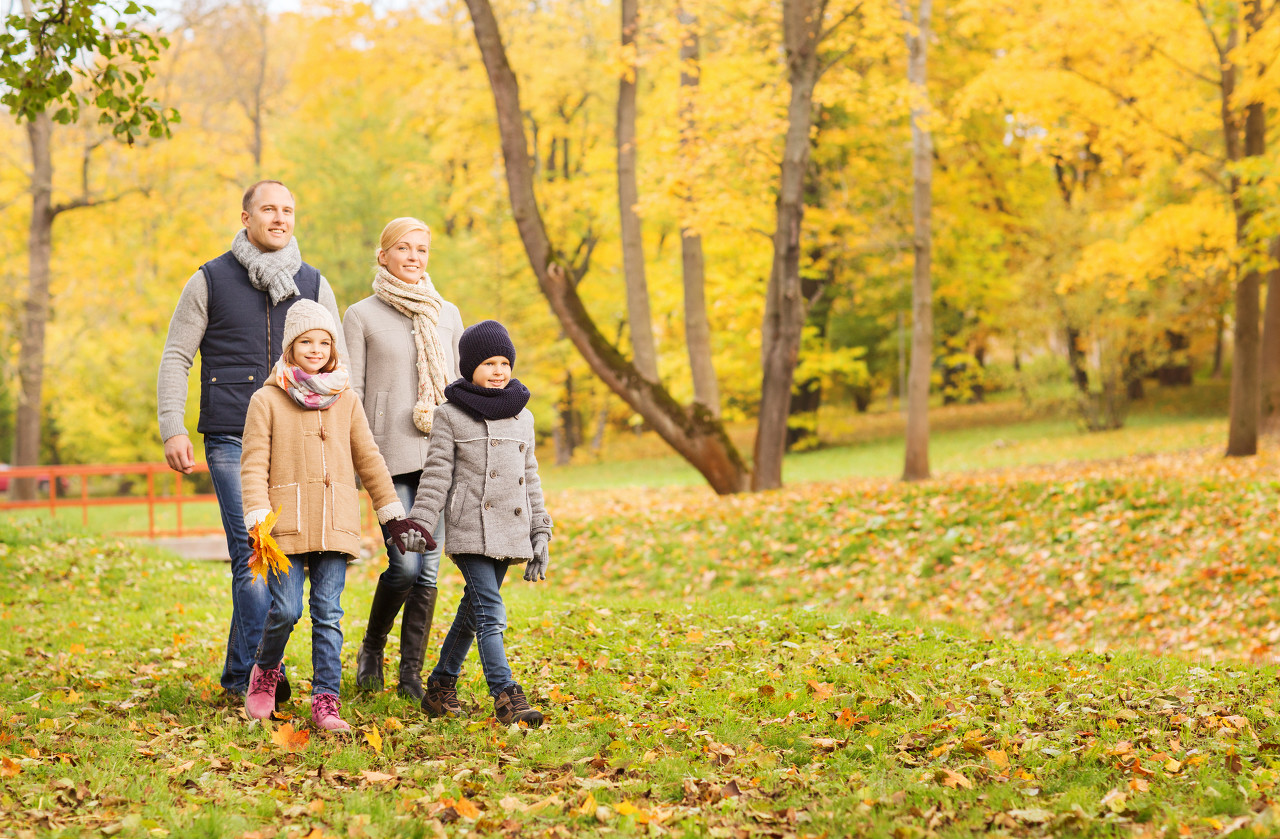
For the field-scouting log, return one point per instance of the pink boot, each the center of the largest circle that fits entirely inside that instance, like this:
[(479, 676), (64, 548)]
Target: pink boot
[(260, 701), (324, 713)]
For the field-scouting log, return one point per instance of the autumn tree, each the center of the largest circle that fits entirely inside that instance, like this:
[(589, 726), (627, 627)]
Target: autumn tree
[(65, 56)]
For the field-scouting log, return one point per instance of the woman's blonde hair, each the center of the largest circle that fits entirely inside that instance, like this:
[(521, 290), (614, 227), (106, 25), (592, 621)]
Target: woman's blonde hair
[(329, 366), (397, 229)]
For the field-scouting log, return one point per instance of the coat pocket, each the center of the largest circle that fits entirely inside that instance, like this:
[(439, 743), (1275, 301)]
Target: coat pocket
[(345, 502), (457, 498), (287, 498), (380, 413)]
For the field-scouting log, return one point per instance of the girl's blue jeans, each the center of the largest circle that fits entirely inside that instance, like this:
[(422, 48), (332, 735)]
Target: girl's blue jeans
[(481, 616), (328, 573), (249, 598), (406, 570)]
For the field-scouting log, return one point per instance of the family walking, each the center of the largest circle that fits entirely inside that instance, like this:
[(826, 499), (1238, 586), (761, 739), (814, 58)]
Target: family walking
[(293, 407)]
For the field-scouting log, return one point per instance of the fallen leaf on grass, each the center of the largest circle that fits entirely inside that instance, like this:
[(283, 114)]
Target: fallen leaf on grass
[(1115, 801), (951, 778), (376, 777), (374, 737), (820, 690), (1032, 815), (510, 802), (848, 718), (287, 738), (998, 758), (9, 768)]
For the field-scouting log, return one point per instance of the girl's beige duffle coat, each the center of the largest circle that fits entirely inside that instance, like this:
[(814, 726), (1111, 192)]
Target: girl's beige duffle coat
[(300, 461)]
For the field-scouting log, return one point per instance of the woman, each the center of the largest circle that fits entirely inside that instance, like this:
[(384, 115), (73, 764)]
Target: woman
[(403, 343)]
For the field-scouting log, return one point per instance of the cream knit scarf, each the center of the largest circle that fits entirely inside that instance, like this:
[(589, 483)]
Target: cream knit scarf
[(421, 303)]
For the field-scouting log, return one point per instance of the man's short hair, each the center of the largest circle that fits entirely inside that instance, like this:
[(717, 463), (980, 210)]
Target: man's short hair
[(247, 203)]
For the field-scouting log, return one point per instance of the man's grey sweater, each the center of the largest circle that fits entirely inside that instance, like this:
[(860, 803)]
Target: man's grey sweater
[(186, 331)]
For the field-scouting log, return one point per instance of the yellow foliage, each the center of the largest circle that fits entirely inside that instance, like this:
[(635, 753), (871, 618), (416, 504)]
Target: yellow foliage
[(267, 555)]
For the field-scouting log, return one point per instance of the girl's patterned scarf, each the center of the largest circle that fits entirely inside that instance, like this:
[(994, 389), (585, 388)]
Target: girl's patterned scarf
[(492, 403), (421, 303), (313, 392)]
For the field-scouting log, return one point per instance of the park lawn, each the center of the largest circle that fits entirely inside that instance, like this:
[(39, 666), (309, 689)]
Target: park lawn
[(851, 658)]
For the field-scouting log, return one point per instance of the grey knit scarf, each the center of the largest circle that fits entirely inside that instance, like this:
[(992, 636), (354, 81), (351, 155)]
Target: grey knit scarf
[(270, 271)]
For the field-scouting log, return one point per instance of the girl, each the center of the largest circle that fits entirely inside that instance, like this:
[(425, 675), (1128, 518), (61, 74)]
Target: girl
[(303, 433), (482, 473), (403, 343)]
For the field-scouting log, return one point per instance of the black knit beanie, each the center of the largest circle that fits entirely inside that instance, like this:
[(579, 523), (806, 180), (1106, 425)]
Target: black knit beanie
[(482, 341)]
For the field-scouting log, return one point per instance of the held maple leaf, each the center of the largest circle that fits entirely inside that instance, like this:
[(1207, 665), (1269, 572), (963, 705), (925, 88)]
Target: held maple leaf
[(266, 553)]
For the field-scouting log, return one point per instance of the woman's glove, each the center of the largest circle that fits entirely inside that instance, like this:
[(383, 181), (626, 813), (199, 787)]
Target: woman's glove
[(536, 568), (407, 535)]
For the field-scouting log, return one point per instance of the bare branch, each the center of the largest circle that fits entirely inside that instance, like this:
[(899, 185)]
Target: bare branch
[(86, 201), (822, 36), (1208, 24), (833, 62), (1126, 100)]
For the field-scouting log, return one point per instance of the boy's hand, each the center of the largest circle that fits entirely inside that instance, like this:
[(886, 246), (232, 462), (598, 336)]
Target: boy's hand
[(407, 535), (536, 568)]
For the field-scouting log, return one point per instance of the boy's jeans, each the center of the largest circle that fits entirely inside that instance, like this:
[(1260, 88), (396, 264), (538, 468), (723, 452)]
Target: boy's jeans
[(328, 573), (482, 616), (249, 600), (406, 570)]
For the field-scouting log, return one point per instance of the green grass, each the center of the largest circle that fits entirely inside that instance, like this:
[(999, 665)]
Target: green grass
[(1000, 434), (712, 667), (1079, 648)]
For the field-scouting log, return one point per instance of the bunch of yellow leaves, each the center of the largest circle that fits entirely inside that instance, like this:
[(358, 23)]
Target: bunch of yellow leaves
[(266, 553)]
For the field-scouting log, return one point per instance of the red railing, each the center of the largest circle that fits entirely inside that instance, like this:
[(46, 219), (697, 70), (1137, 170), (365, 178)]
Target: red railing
[(158, 476)]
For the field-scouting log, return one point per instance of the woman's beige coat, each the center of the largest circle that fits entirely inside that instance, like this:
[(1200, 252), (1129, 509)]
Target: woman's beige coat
[(300, 461)]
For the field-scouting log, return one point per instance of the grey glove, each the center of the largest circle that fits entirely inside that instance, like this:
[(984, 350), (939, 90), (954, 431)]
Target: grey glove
[(536, 568)]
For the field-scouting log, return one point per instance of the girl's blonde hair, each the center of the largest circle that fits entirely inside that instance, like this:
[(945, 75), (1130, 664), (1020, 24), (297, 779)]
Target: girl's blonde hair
[(397, 229), (329, 366)]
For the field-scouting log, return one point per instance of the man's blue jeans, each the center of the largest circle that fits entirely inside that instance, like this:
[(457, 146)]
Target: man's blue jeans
[(249, 600), (406, 570), (327, 571), (481, 616)]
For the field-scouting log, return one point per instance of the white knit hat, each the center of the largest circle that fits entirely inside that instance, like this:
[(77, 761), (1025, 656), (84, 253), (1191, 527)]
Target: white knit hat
[(303, 316)]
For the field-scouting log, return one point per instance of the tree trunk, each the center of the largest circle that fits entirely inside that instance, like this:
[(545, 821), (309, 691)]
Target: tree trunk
[(693, 433), (697, 328), (916, 465), (785, 304), (26, 442), (645, 354), (807, 398), (1242, 432), (1271, 347)]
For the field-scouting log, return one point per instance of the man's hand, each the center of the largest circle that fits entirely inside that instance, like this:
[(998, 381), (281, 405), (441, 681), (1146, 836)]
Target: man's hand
[(536, 568), (179, 454), (408, 535)]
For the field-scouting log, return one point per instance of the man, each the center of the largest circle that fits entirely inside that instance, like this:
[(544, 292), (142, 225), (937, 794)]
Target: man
[(232, 310)]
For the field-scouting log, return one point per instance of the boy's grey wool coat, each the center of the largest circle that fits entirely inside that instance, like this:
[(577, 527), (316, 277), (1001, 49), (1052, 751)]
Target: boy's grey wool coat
[(383, 362), (483, 475)]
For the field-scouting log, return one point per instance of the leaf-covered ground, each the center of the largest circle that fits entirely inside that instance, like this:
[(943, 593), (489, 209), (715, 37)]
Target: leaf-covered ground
[(711, 667)]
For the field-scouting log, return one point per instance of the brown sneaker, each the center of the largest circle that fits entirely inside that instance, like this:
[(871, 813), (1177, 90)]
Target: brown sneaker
[(511, 706), (441, 698)]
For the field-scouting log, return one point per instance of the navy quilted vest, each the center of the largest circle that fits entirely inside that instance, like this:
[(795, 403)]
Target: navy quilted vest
[(241, 342)]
